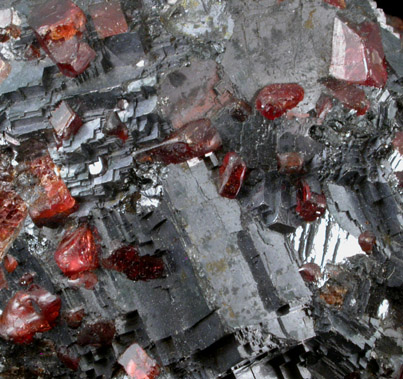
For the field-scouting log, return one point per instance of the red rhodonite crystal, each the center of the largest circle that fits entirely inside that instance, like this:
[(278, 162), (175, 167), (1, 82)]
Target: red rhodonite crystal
[(310, 272), (28, 312), (276, 99), (10, 263), (310, 205), (65, 122), (59, 25), (55, 202), (137, 364), (194, 140), (349, 95), (99, 334), (290, 163), (232, 174), (108, 18), (77, 252), (337, 3), (127, 260), (357, 55), (367, 240), (74, 317)]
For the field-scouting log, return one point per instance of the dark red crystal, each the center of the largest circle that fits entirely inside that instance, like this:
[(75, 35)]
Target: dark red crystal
[(27, 313), (3, 280), (55, 203), (336, 3), (276, 99), (65, 121), (115, 127), (85, 279), (10, 263), (398, 142), (68, 358), (78, 251), (99, 334), (367, 241), (310, 272), (27, 278), (74, 317), (310, 205), (323, 105), (127, 260), (137, 364), (290, 163), (232, 175), (108, 18)]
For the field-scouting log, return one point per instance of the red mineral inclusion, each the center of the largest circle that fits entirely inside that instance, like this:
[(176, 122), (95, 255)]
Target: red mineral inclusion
[(232, 175), (137, 364), (77, 252), (10, 263), (367, 240), (194, 140), (323, 105), (55, 202), (310, 205), (127, 260), (349, 95), (99, 334), (68, 358), (65, 121), (59, 25), (336, 3), (357, 55), (310, 272), (108, 18), (276, 99), (290, 163), (85, 279), (27, 278), (74, 317), (28, 312)]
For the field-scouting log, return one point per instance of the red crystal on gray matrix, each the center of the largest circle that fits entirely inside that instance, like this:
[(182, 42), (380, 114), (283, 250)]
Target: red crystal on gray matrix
[(367, 241), (310, 272), (276, 99), (290, 163), (98, 334), (74, 317), (27, 313), (232, 175), (68, 358), (10, 263), (65, 121), (310, 205)]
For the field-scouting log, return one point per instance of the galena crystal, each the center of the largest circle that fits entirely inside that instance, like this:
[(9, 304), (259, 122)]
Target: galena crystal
[(54, 203), (310, 272), (137, 364), (276, 99), (310, 205), (65, 121), (290, 163), (77, 251), (232, 175), (357, 55), (59, 25), (27, 313), (98, 334), (367, 241), (127, 260)]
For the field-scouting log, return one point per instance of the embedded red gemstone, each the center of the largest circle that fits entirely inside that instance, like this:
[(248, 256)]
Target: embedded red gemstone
[(336, 3), (357, 55), (99, 334), (3, 280), (323, 105), (108, 18), (137, 364), (232, 175), (127, 260), (276, 99), (74, 317), (194, 140), (310, 272), (367, 241), (310, 205), (290, 163), (349, 95), (55, 202), (85, 279), (10, 263), (77, 252), (65, 121), (27, 278), (68, 358), (27, 313), (398, 142)]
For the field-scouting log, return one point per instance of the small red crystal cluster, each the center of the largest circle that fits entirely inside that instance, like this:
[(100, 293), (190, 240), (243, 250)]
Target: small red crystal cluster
[(232, 174), (310, 205)]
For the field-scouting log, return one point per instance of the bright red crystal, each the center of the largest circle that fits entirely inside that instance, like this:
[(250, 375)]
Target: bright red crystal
[(398, 142), (290, 163), (367, 241), (357, 55), (232, 175), (77, 252), (310, 205), (127, 260), (65, 121), (3, 280), (310, 272), (85, 279), (349, 95), (336, 3), (108, 18), (68, 358), (55, 202), (276, 99), (28, 312), (99, 334), (74, 317), (10, 263), (194, 140), (323, 105), (27, 278), (137, 364), (59, 25)]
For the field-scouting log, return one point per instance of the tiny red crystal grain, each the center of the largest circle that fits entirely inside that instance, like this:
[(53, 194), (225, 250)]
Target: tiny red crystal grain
[(310, 272), (65, 121), (367, 241), (290, 163), (232, 175), (310, 205), (10, 263)]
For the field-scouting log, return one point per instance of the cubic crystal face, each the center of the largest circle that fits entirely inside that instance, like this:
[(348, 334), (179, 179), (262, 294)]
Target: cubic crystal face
[(138, 364), (77, 252), (65, 121), (54, 203), (358, 55), (367, 241), (310, 205), (290, 163), (108, 18), (232, 175), (276, 99), (27, 313)]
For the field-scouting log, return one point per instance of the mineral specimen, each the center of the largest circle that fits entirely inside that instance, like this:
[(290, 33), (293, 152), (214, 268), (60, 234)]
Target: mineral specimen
[(232, 175), (10, 263), (98, 334), (65, 121), (290, 163), (310, 272), (68, 358), (74, 317), (27, 278), (5, 70), (367, 241), (3, 280), (310, 205), (336, 3), (115, 127), (241, 110), (85, 279)]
